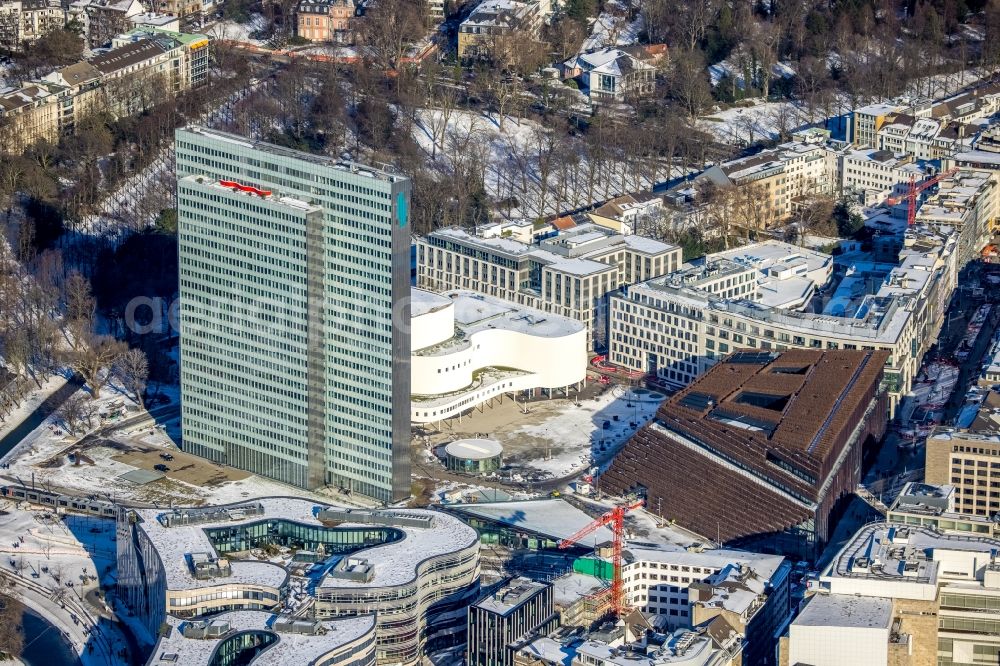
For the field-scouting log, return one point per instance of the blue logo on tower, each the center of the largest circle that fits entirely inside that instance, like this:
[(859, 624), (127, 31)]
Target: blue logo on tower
[(401, 209)]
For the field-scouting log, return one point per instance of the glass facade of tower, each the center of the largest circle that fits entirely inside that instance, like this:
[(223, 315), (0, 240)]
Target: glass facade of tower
[(294, 314)]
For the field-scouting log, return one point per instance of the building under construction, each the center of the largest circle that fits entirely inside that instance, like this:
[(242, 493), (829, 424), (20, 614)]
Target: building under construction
[(759, 450)]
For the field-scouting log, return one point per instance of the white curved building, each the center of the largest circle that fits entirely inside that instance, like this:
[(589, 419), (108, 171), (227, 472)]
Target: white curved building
[(413, 570), (469, 348)]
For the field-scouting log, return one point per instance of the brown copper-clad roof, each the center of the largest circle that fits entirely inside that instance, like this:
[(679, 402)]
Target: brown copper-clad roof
[(747, 447)]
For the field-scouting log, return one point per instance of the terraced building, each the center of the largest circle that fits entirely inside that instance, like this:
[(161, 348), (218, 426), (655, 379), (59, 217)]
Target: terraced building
[(759, 451), (415, 570)]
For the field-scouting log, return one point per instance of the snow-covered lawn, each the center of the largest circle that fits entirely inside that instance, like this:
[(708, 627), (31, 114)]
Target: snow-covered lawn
[(514, 158), (239, 32), (758, 121)]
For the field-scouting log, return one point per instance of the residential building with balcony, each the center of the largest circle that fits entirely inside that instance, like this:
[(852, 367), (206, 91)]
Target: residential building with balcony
[(103, 20)]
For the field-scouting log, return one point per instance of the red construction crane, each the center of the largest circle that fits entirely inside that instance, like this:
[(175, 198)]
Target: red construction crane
[(615, 519), (914, 190)]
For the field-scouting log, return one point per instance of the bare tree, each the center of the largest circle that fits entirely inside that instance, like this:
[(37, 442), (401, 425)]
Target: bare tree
[(76, 413), (132, 369), (80, 307), (93, 358), (389, 28)]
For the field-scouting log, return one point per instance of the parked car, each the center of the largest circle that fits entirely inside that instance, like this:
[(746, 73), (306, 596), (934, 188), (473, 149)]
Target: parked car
[(161, 468)]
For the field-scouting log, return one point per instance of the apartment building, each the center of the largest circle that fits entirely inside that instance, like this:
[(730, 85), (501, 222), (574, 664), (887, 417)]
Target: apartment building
[(924, 138), (298, 369), (689, 587), (325, 21), (783, 176), (570, 274), (103, 20), (507, 620), (25, 21), (481, 34), (943, 587), (967, 203), (142, 67)]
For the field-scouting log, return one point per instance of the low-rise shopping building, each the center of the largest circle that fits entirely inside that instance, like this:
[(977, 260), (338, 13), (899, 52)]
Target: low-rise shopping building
[(469, 349), (415, 570)]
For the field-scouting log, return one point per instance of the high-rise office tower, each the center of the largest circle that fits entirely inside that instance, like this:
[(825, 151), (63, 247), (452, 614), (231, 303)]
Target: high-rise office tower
[(294, 315)]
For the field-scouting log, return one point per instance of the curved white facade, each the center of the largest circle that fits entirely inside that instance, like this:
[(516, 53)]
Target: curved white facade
[(468, 348)]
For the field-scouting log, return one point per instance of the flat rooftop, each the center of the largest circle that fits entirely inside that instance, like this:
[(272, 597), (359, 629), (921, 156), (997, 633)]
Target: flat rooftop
[(292, 648), (841, 610), (506, 599), (394, 563), (355, 168), (909, 554), (475, 312), (556, 519)]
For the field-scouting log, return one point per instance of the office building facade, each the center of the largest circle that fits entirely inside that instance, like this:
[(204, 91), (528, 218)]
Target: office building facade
[(294, 277), (506, 621)]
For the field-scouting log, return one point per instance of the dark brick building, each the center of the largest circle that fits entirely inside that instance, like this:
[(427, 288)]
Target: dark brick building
[(759, 450)]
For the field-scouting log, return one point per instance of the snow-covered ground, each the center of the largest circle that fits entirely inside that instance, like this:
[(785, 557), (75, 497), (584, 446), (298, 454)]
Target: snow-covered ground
[(514, 158), (137, 202), (239, 32), (44, 456), (612, 28), (55, 564), (574, 437), (756, 121), (779, 70), (37, 397)]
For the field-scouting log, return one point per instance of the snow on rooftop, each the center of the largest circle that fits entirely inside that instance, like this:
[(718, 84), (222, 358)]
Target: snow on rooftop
[(841, 610), (423, 302), (394, 563), (554, 518), (292, 648)]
